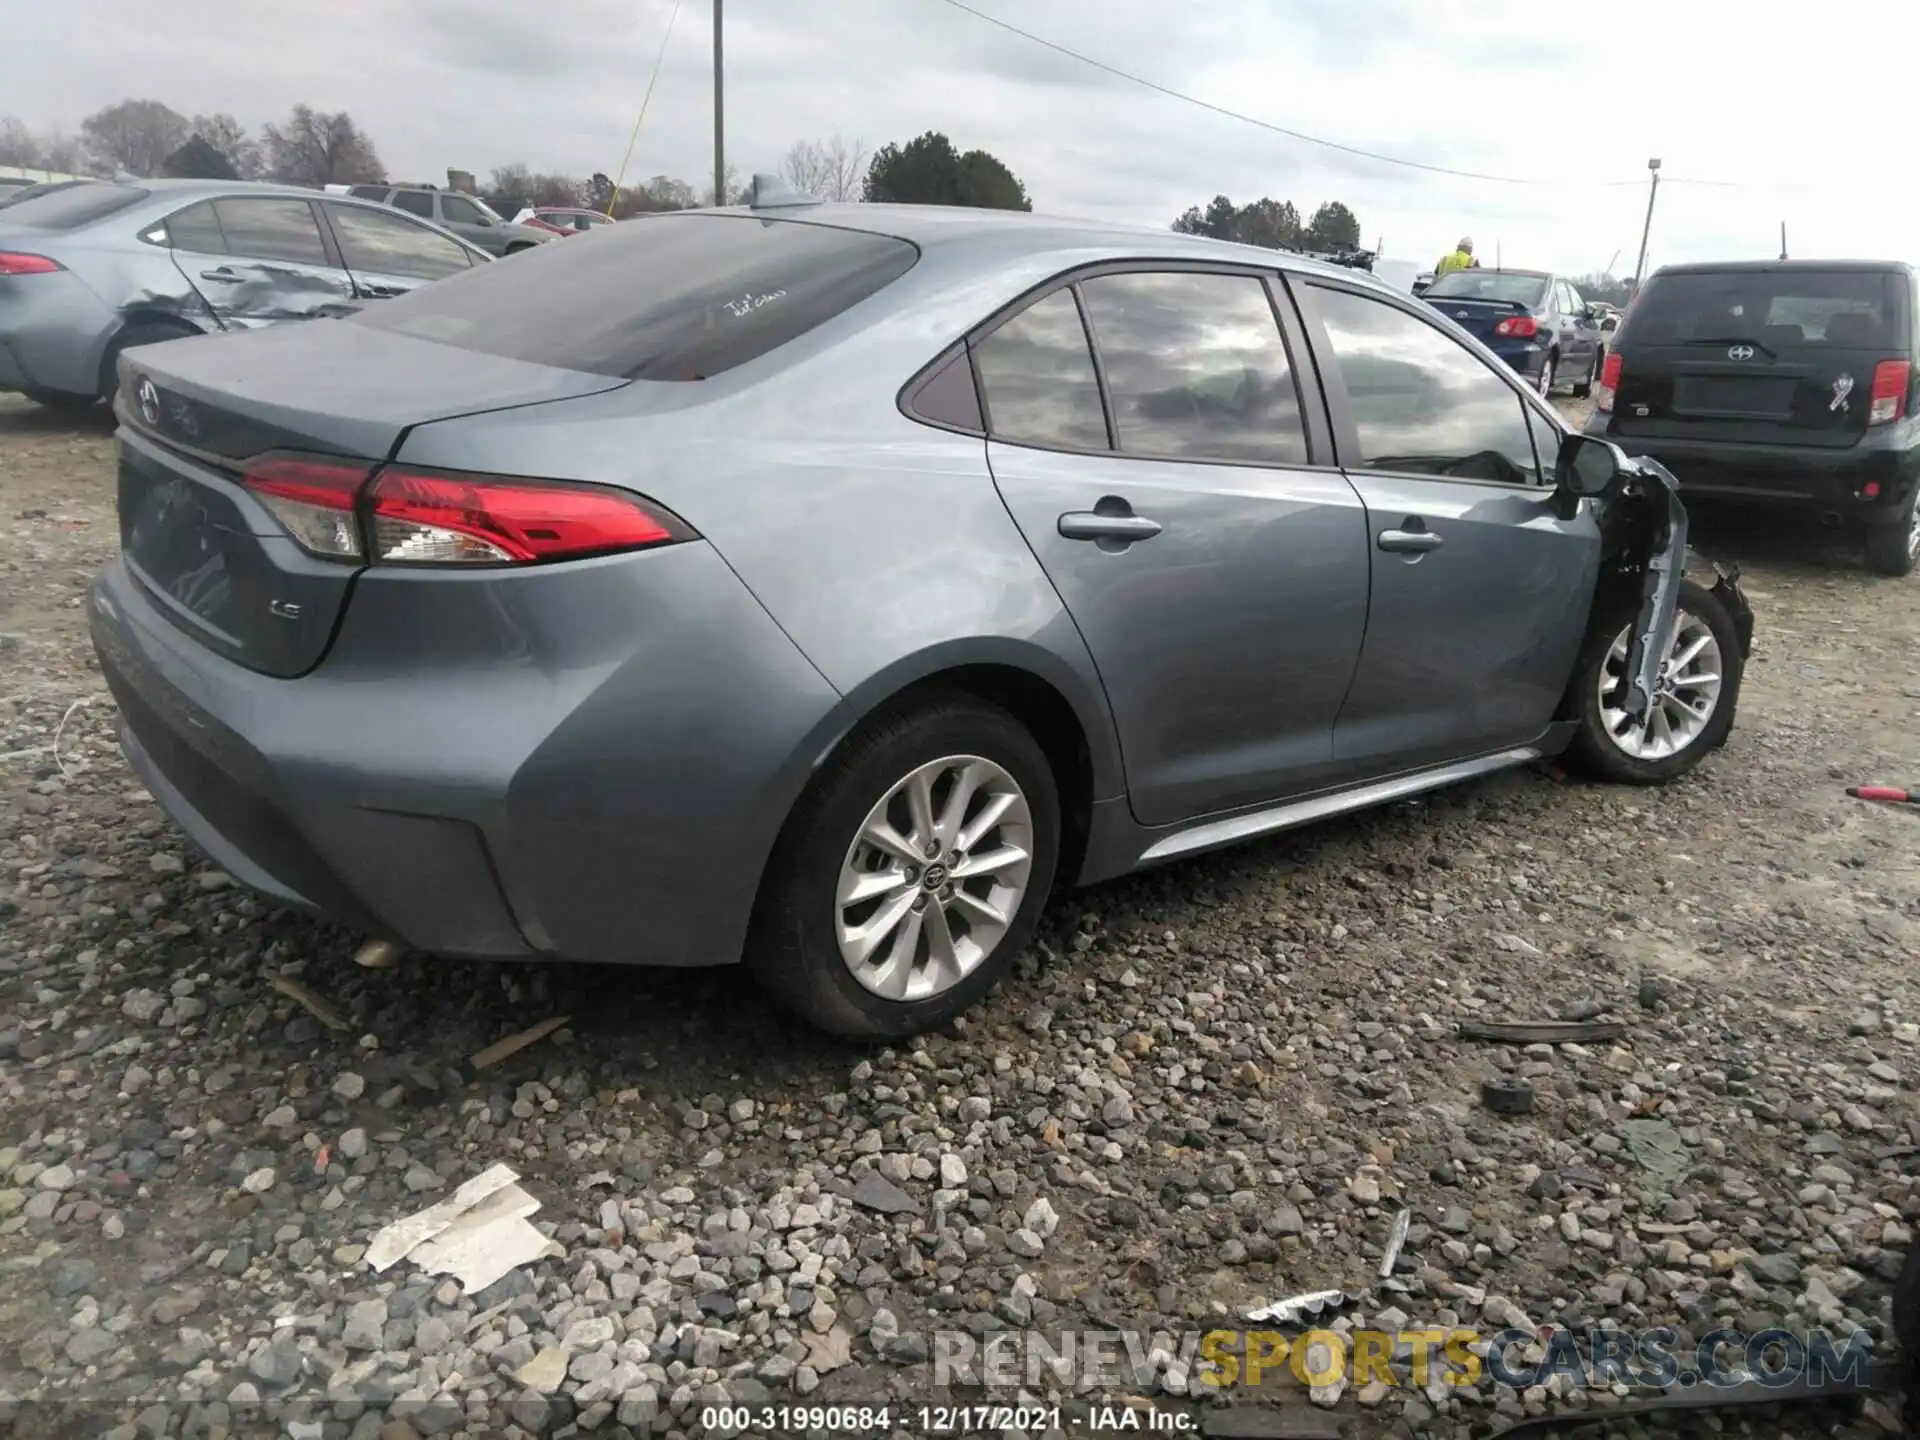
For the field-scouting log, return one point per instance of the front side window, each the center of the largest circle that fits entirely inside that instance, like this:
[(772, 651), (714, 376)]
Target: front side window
[(1423, 404), (381, 242), (271, 229), (1196, 368), (459, 211), (1037, 374)]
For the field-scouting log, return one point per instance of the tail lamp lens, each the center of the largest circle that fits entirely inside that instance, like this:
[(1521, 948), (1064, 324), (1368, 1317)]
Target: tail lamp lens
[(1609, 382), (17, 264), (1518, 327), (1890, 380), (332, 508)]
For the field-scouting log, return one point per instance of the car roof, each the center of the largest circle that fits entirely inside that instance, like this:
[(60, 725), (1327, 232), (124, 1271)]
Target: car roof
[(1503, 270), (989, 234), (1764, 267)]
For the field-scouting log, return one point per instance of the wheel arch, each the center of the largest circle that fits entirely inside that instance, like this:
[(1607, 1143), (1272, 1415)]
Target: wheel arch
[(134, 318)]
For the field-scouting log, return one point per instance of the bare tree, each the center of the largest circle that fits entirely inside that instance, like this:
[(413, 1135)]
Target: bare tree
[(826, 169), (736, 192), (562, 191), (17, 144), (64, 153), (230, 138), (135, 135), (315, 148)]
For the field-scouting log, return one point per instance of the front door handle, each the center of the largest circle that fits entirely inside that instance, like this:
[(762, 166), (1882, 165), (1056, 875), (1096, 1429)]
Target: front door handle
[(223, 275), (1412, 538), (1091, 525)]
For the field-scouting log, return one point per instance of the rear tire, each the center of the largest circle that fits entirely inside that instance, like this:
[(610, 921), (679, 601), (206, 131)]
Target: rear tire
[(879, 942), (63, 400), (1547, 368), (516, 249), (1694, 712), (1583, 388), (151, 333), (1895, 549)]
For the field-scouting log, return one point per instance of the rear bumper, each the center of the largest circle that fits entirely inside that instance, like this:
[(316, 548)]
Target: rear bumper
[(611, 795), (1808, 477), (1524, 356)]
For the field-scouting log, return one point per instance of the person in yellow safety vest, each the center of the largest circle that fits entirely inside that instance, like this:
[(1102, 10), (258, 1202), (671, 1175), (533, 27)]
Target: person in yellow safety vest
[(1460, 259)]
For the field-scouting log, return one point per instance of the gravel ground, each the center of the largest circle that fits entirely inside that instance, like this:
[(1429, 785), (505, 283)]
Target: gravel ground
[(1206, 1087)]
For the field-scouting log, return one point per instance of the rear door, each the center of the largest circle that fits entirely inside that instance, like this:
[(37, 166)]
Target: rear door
[(1760, 356), (1584, 345), (1212, 556), (388, 253), (259, 259), (1482, 582)]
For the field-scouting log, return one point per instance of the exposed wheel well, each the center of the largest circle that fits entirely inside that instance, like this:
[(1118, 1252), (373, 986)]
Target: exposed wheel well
[(138, 320)]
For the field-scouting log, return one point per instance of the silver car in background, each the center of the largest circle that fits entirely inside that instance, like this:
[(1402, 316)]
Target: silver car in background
[(90, 270), (815, 585)]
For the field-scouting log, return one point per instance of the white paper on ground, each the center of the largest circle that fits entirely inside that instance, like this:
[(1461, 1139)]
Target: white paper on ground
[(396, 1241), (456, 1240), (480, 1256)]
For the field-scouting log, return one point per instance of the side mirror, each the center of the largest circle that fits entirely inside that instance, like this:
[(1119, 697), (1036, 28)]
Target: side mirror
[(1587, 465)]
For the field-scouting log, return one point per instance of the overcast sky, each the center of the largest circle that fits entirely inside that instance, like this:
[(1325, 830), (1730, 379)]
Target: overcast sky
[(1807, 118)]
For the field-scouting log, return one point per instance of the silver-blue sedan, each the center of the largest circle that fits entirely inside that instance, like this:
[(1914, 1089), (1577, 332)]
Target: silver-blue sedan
[(88, 271)]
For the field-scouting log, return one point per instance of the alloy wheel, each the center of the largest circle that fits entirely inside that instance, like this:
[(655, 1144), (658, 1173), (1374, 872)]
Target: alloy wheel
[(1546, 377), (1685, 696), (934, 878)]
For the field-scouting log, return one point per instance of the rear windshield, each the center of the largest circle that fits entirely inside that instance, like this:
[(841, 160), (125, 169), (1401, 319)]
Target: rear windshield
[(1776, 309), (668, 297), (1489, 285), (72, 207)]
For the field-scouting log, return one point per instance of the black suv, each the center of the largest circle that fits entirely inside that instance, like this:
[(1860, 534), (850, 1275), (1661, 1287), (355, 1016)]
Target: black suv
[(1786, 382)]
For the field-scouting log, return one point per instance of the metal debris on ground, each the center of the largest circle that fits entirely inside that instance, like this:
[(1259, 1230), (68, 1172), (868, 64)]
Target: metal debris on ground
[(1507, 1095), (513, 1044), (1541, 1032), (379, 954), (477, 1235), (1297, 1309), (1657, 1147), (1394, 1241), (315, 1005)]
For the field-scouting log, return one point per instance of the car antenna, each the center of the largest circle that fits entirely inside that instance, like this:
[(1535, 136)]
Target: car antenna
[(1783, 239), (770, 192)]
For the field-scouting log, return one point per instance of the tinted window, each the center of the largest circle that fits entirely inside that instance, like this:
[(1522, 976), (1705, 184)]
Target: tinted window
[(1196, 368), (460, 212), (673, 297), (1423, 404), (271, 230), (197, 228), (1528, 290), (368, 192), (414, 202), (70, 208), (1775, 308), (1038, 376), (390, 244)]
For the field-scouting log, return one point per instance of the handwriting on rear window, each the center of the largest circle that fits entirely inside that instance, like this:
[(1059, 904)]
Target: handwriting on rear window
[(747, 304)]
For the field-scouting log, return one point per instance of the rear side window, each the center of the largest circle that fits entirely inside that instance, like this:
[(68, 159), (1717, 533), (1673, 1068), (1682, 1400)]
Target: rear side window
[(381, 242), (414, 203), (1776, 309), (1037, 374), (70, 208), (271, 230), (197, 228), (671, 297), (1196, 368)]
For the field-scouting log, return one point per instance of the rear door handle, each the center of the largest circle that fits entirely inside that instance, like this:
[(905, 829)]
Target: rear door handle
[(381, 292), (1413, 538), (223, 276)]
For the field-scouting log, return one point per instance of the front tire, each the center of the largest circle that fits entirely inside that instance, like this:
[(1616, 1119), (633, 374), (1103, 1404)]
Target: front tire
[(63, 400), (1895, 549), (912, 873), (1692, 713)]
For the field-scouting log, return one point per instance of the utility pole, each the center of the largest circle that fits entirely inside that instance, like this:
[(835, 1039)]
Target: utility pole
[(1645, 230), (719, 117), (1783, 239)]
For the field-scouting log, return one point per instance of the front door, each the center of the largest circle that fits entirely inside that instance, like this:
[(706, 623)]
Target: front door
[(1218, 576), (1483, 578), (257, 260), (470, 223)]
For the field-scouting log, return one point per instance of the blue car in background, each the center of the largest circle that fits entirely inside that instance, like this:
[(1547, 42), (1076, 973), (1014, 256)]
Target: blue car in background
[(1534, 321)]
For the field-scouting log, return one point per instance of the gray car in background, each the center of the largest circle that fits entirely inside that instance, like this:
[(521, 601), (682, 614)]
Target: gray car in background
[(467, 216), (816, 586), (88, 271)]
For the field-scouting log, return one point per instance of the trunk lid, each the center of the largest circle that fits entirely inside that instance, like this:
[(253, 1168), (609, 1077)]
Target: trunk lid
[(1759, 356), (1477, 317), (214, 559)]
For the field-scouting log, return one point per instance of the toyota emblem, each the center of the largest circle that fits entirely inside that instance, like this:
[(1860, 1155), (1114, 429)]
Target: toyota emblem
[(1740, 352), (148, 396)]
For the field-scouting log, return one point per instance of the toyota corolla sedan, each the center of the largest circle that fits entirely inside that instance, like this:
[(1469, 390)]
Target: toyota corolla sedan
[(1534, 321), (816, 586)]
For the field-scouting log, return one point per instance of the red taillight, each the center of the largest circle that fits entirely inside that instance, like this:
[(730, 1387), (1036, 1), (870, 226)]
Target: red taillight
[(1609, 382), (1890, 381), (1518, 327), (314, 499), (434, 517), (430, 517), (12, 264)]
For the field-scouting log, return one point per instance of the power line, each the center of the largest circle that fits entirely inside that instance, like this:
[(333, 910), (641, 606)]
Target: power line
[(1292, 134)]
